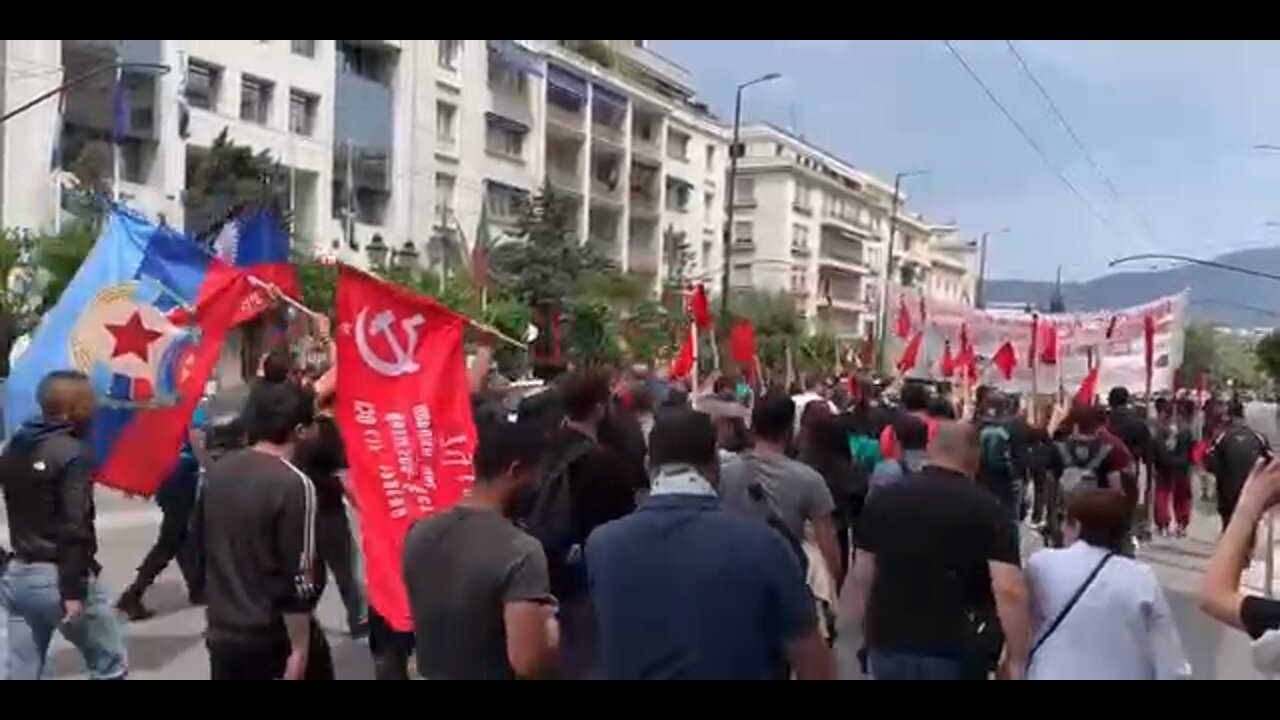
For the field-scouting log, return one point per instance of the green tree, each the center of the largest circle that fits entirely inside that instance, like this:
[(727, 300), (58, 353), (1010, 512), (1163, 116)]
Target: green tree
[(776, 323), (228, 176), (63, 253), (549, 261), (1268, 353), (1199, 353)]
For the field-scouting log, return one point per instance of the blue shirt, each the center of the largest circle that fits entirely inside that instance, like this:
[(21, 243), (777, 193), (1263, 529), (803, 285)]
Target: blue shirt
[(684, 590)]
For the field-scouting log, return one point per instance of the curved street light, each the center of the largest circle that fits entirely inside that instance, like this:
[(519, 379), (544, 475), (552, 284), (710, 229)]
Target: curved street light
[(1194, 261)]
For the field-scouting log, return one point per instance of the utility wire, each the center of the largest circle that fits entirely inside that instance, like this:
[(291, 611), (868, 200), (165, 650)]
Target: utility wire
[(1025, 135), (1088, 156)]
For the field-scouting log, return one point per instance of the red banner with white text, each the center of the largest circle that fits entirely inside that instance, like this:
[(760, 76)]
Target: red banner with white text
[(405, 417)]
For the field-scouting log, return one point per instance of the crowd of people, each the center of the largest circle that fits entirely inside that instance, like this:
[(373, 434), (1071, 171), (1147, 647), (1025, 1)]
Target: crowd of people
[(626, 526)]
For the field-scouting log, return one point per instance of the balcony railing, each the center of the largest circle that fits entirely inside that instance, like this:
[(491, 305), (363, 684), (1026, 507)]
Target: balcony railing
[(607, 133), (644, 203), (604, 191), (564, 178), (646, 148), (565, 118), (643, 259)]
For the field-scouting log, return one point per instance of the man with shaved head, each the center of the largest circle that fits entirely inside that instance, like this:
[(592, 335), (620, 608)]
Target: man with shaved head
[(936, 581)]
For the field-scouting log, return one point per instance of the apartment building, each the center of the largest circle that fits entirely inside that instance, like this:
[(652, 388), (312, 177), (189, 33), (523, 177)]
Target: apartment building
[(810, 224), (390, 148)]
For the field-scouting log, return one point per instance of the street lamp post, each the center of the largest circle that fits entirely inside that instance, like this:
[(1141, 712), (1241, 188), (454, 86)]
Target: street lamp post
[(980, 292), (727, 239), (882, 324), (1194, 261)]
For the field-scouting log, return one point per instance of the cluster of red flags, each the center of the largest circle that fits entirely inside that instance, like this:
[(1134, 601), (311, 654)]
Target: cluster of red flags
[(700, 311)]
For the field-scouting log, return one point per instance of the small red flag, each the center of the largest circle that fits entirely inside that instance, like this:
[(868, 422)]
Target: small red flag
[(948, 362), (1088, 388), (911, 353), (902, 327), (742, 347), (405, 414), (698, 307), (682, 366), (1005, 359), (1048, 343)]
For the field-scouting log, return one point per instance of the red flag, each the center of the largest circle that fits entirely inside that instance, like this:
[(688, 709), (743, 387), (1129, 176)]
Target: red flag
[(1034, 355), (698, 307), (1149, 345), (682, 366), (1088, 388), (1006, 359), (742, 347), (948, 362), (902, 326), (405, 416), (911, 353), (855, 388), (1049, 343)]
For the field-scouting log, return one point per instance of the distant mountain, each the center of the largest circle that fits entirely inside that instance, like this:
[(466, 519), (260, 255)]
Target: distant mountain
[(1217, 296)]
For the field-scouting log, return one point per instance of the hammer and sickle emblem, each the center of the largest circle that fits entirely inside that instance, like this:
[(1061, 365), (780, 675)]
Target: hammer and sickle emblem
[(384, 324)]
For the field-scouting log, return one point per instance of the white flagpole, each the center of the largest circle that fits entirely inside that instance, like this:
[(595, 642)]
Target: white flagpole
[(115, 144)]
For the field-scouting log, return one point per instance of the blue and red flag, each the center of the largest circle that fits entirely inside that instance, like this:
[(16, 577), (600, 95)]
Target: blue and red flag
[(144, 318), (256, 243)]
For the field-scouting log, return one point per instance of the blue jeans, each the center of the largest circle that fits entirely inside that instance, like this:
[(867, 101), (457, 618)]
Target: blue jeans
[(906, 666), (29, 593)]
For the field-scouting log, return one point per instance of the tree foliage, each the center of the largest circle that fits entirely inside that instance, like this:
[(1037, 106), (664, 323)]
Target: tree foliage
[(548, 262), (1268, 352), (229, 176)]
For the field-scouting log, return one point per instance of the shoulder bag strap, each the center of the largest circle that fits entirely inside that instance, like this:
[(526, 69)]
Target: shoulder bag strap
[(1062, 614)]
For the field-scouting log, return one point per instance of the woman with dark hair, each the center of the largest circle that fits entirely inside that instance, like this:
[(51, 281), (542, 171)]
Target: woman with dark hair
[(825, 448), (1099, 615)]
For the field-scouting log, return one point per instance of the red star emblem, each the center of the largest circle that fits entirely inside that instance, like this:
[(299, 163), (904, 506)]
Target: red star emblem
[(133, 338)]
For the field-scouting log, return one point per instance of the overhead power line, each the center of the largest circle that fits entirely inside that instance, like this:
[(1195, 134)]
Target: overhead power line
[(1025, 135), (1088, 156)]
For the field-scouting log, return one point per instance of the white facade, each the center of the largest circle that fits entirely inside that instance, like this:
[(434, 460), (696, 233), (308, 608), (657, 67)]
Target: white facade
[(429, 131), (810, 224)]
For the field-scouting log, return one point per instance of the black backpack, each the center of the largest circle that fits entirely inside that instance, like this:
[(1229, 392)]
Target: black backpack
[(550, 515)]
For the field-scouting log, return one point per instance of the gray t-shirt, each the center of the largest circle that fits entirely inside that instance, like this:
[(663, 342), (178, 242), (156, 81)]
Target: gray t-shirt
[(461, 568), (795, 491)]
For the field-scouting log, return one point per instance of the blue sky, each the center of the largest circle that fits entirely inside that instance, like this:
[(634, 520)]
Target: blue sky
[(1171, 123)]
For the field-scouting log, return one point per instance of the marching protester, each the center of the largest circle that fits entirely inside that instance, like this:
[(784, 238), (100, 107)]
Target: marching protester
[(478, 586), (1099, 615), (1173, 444), (915, 403), (583, 483), (999, 470), (911, 436), (764, 483), (685, 590), (826, 449), (1231, 457), (937, 586), (259, 530), (51, 581), (177, 500), (1220, 594)]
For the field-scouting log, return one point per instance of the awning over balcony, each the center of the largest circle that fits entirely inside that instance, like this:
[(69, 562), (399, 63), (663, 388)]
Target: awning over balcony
[(516, 56), (611, 100), (565, 82), (675, 182), (505, 123)]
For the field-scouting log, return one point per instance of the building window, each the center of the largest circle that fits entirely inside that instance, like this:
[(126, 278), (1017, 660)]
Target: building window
[(450, 54), (802, 201), (255, 99), (800, 238), (504, 139), (799, 280), (742, 275), (506, 78), (711, 158), (677, 145), (504, 203), (445, 185), (446, 123), (744, 191), (708, 207), (302, 112), (679, 196), (305, 48), (743, 233), (204, 81)]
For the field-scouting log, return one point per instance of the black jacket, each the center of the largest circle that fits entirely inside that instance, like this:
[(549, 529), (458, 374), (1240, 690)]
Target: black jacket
[(48, 492)]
